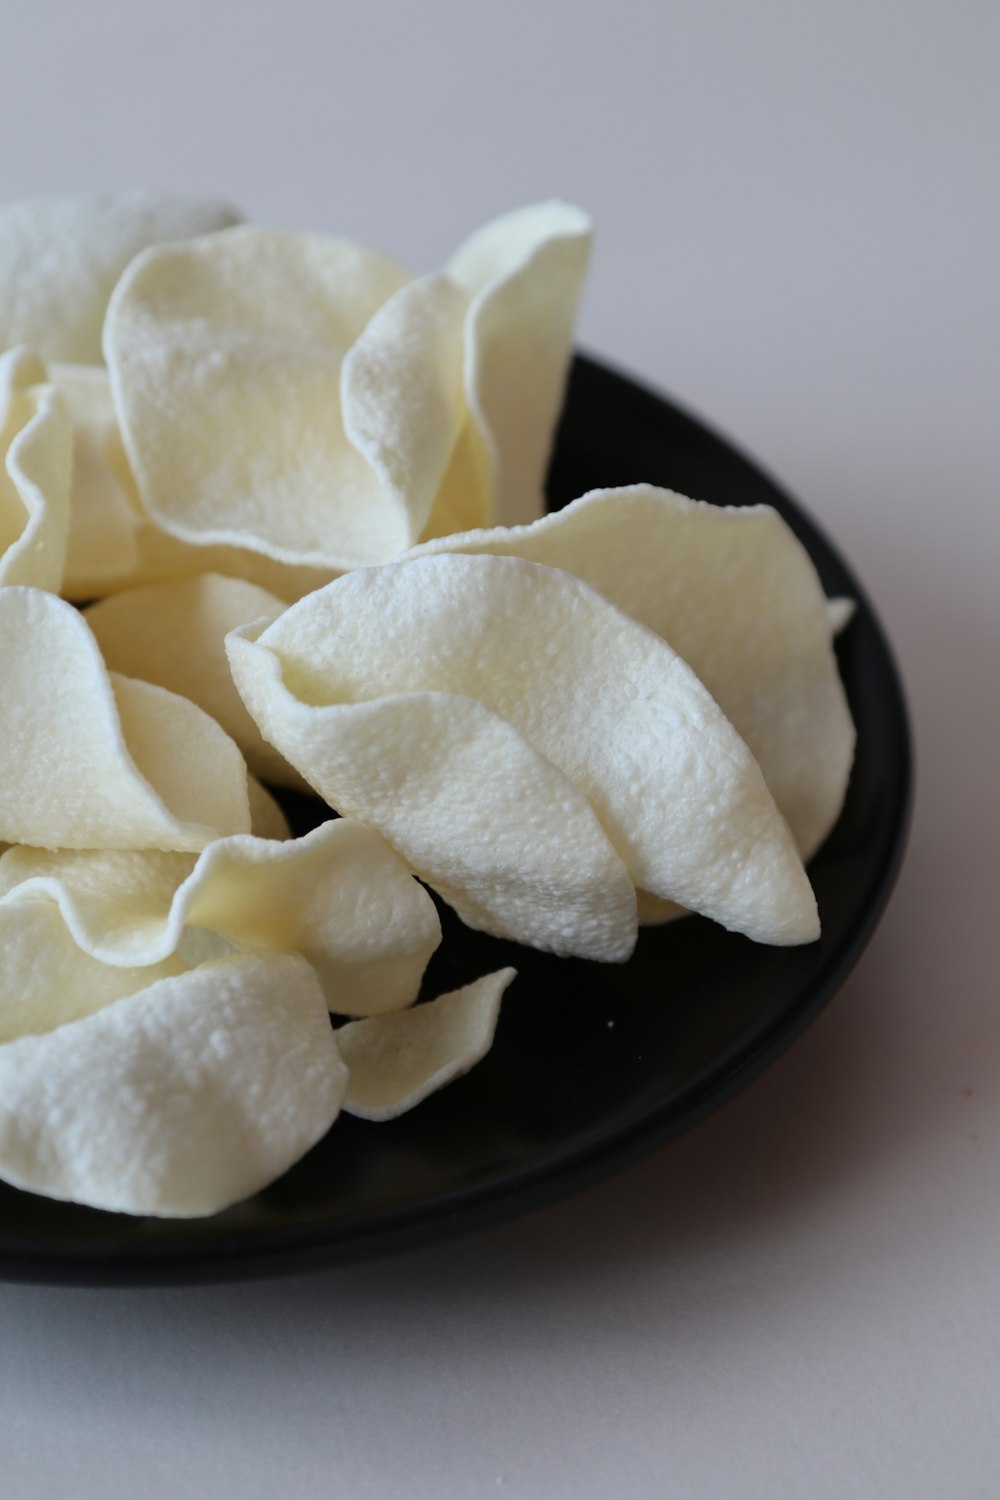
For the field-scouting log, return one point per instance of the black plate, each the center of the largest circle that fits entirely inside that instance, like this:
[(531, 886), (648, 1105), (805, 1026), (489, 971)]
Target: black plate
[(593, 1064)]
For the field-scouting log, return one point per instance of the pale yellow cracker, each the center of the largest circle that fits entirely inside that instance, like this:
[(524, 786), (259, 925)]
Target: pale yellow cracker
[(179, 1099), (396, 1061), (61, 256), (476, 709), (35, 459), (90, 760)]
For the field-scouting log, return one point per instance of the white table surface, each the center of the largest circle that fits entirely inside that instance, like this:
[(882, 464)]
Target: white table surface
[(798, 236)]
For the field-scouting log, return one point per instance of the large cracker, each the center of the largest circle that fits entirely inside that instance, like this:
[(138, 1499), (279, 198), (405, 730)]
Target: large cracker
[(61, 256), (474, 709), (227, 361), (339, 896), (737, 596), (89, 760), (179, 1099), (173, 634)]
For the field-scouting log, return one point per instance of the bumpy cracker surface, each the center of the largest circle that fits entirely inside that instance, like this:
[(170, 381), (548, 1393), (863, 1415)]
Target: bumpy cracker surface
[(179, 1099), (226, 357), (60, 258), (376, 687), (91, 760), (339, 896), (737, 596)]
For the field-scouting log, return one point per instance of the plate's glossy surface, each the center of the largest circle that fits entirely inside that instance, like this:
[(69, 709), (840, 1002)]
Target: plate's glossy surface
[(593, 1065)]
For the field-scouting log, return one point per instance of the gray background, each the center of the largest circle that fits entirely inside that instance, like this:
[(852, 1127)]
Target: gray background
[(798, 235)]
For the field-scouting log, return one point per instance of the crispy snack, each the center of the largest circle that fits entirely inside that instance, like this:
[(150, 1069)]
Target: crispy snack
[(173, 634), (735, 593), (113, 543), (339, 896), (178, 1099), (513, 734), (63, 255), (283, 494), (302, 398), (395, 1061), (35, 445), (524, 273), (89, 760)]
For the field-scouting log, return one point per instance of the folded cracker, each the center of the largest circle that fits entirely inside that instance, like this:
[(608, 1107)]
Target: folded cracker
[(396, 1061), (35, 447), (339, 896), (173, 634), (243, 422), (302, 398), (90, 760), (737, 596), (178, 1100), (524, 273), (45, 979), (456, 789), (104, 513), (475, 709), (60, 258), (403, 403), (113, 544)]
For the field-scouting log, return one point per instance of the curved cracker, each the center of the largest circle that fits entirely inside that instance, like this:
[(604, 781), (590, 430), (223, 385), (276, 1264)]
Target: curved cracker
[(396, 1061), (61, 256), (386, 690), (36, 446), (93, 761), (47, 981), (339, 896), (401, 393), (178, 1100), (226, 358), (173, 634), (737, 596), (455, 789), (524, 273), (113, 544)]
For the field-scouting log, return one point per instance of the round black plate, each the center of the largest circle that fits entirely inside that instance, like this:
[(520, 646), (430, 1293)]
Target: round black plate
[(593, 1064)]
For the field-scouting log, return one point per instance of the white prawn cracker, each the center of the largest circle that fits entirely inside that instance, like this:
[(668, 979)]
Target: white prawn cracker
[(339, 896), (523, 273), (89, 760), (173, 634), (396, 1061), (46, 980), (301, 397), (530, 751), (113, 544), (177, 1100), (245, 421), (61, 256), (736, 595), (102, 546), (36, 440)]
